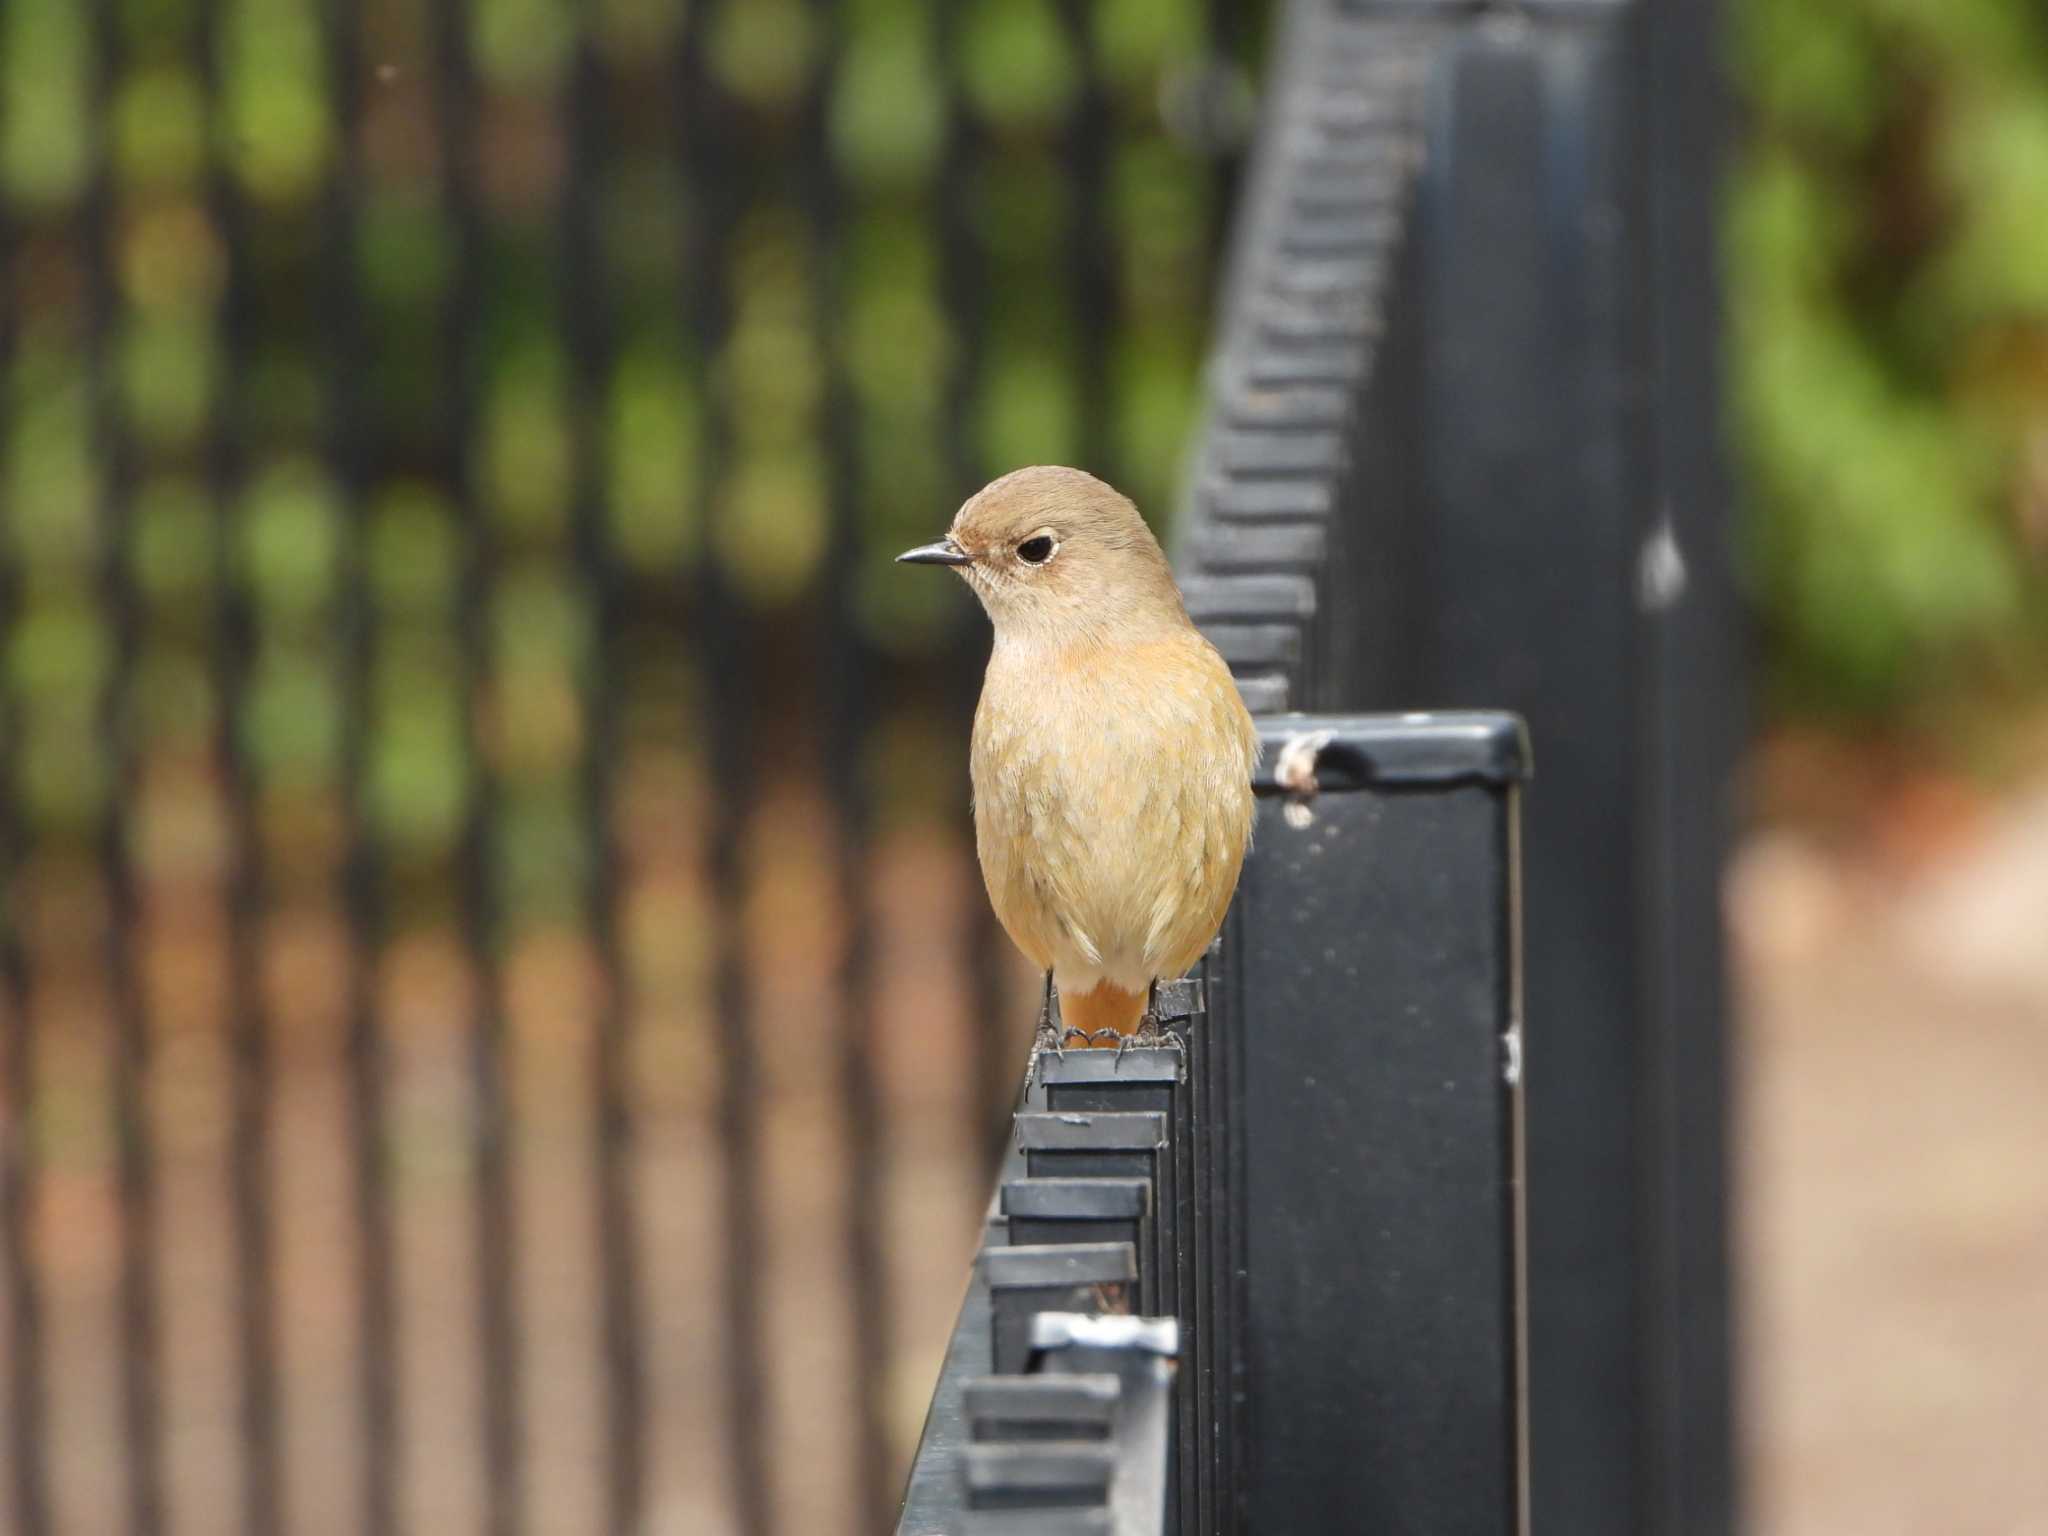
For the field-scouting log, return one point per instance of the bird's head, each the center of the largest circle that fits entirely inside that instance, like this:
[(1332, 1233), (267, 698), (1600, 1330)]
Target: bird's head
[(1055, 553)]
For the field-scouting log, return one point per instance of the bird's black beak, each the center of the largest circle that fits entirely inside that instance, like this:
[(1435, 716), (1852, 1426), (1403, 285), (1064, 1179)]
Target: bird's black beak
[(945, 552)]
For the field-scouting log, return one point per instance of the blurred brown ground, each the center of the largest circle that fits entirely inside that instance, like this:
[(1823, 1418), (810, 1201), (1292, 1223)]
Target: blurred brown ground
[(1891, 939), (1892, 952)]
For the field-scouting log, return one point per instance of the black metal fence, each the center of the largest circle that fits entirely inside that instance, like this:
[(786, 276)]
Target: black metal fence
[(1524, 508), (1271, 1278), (1460, 453), (498, 1024), (498, 1027)]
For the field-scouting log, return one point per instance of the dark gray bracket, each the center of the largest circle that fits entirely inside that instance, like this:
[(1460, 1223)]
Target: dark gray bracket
[(1043, 1407), (1053, 1211), (1024, 1280)]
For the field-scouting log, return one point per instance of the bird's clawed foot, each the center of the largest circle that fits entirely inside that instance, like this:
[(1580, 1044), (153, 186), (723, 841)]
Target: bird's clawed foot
[(1151, 1033), (1046, 1042)]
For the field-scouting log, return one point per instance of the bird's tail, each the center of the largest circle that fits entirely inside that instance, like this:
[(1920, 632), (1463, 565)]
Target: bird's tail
[(1108, 1007)]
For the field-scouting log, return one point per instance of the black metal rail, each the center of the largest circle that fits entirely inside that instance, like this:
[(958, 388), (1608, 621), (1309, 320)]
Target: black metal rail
[(1052, 1413), (1462, 452), (1459, 451), (1282, 566), (1320, 1192)]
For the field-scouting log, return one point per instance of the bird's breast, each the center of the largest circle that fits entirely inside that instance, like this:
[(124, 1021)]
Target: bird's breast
[(1112, 802)]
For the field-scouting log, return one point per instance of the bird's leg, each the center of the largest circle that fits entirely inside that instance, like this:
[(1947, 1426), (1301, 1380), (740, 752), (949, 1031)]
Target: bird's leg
[(1151, 1029), (1048, 1038)]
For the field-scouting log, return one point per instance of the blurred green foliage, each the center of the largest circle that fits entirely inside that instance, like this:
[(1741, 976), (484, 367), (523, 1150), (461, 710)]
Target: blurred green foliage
[(367, 561), (184, 203), (1887, 241)]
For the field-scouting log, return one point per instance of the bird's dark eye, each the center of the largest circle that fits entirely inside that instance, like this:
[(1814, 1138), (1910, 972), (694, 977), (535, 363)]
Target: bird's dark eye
[(1035, 550)]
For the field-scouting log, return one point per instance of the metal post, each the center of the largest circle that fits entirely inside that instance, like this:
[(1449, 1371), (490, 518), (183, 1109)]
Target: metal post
[(1570, 562), (1375, 1129), (1466, 456)]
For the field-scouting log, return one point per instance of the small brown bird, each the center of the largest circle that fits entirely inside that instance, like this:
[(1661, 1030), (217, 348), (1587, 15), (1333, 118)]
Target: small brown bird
[(1112, 756)]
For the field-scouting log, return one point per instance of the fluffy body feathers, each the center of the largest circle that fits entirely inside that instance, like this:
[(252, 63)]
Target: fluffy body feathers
[(1112, 804), (1112, 756)]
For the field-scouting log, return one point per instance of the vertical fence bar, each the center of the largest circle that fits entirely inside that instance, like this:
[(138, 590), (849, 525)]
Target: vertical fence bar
[(1220, 1236), (1227, 63), (708, 175), (249, 1175), (135, 1173), (350, 453), (590, 357), (1554, 165), (28, 1483), (851, 702), (965, 283), (496, 1237), (1692, 739), (1091, 260)]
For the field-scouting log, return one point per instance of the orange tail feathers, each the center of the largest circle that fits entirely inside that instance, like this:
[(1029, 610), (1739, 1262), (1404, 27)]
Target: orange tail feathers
[(1106, 1008)]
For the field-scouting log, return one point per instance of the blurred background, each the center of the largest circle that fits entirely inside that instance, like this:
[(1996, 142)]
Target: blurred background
[(499, 1025)]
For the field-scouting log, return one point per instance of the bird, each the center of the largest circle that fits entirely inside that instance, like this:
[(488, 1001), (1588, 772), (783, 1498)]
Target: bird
[(1112, 755)]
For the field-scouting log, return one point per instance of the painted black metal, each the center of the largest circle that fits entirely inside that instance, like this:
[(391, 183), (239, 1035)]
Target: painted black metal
[(1104, 1148), (22, 1339), (141, 1352), (933, 1497), (1142, 1353), (1041, 1522), (1529, 512), (1320, 1186), (968, 287), (1032, 1277), (1029, 1265), (356, 446), (1693, 719), (1465, 397), (1055, 1407), (1375, 1128), (1096, 1199), (262, 1410), (592, 346), (1105, 1131), (1440, 749), (1558, 572), (1269, 559), (1563, 472), (500, 1395), (707, 124), (852, 710), (1034, 1474)]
